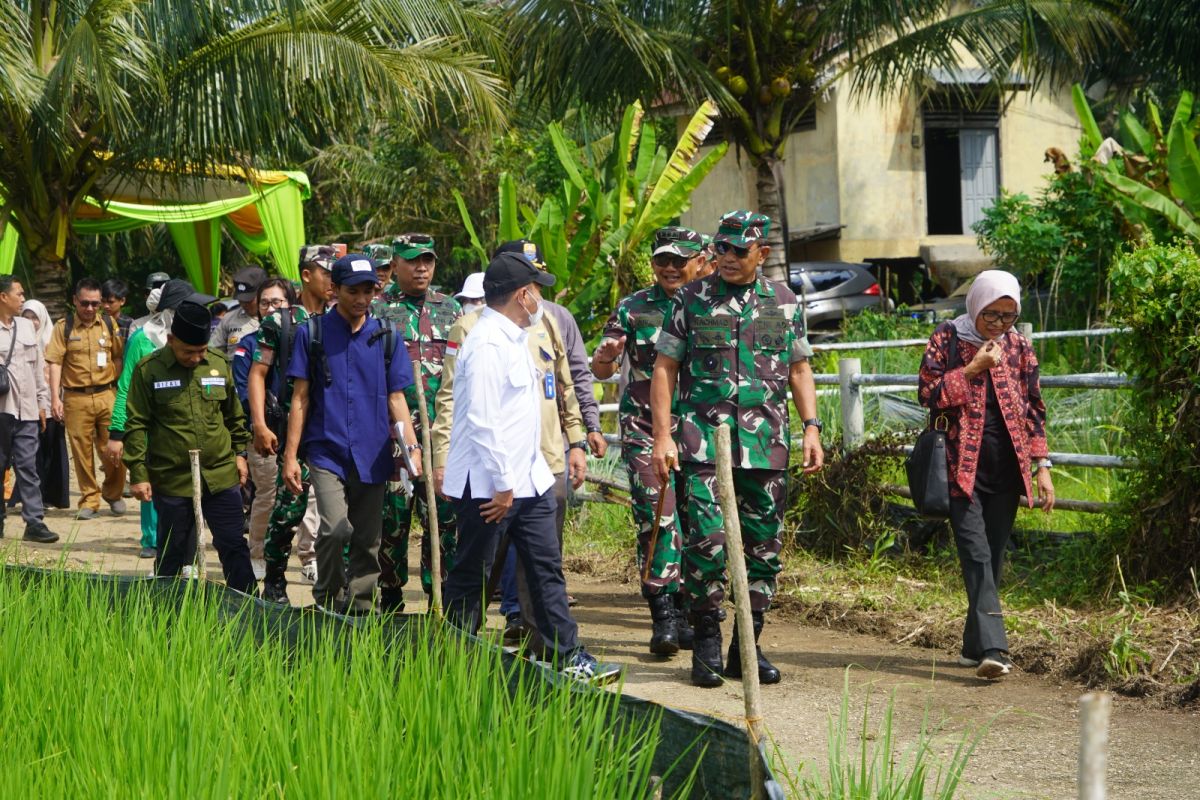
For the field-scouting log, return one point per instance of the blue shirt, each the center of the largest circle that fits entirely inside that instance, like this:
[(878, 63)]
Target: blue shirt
[(243, 357), (348, 422)]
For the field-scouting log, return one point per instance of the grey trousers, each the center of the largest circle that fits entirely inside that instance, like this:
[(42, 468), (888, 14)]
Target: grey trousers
[(351, 515), (982, 526), (18, 450)]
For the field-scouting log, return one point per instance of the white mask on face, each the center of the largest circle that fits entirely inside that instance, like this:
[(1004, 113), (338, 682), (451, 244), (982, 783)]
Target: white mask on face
[(536, 315)]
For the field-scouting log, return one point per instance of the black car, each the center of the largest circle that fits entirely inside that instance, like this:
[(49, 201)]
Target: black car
[(834, 290)]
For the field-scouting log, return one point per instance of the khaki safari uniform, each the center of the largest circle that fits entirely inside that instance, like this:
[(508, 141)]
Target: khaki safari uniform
[(91, 364)]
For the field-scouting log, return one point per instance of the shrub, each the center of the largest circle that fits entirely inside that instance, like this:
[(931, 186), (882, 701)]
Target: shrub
[(1157, 294), (1064, 241)]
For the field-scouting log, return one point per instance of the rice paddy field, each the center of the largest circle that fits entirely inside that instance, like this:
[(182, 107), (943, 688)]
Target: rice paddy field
[(120, 688)]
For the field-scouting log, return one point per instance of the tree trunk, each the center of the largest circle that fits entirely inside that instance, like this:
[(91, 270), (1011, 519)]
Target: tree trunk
[(770, 202), (50, 285)]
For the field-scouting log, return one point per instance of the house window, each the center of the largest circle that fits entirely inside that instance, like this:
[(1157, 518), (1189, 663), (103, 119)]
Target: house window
[(962, 167)]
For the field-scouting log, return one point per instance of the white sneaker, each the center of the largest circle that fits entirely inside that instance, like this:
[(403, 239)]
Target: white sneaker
[(260, 568), (188, 572), (308, 572)]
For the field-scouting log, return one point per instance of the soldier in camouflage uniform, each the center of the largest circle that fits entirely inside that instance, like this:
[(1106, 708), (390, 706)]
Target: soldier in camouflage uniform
[(290, 510), (736, 343), (629, 337), (425, 317), (381, 254)]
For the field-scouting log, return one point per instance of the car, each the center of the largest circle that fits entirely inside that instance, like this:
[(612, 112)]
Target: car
[(834, 290)]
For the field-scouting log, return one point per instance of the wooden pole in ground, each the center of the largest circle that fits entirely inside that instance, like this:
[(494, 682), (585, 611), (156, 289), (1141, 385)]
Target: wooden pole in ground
[(431, 517), (1094, 710), (735, 561), (658, 507), (201, 556)]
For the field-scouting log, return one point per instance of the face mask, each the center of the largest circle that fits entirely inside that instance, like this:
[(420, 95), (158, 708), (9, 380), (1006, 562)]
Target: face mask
[(536, 315)]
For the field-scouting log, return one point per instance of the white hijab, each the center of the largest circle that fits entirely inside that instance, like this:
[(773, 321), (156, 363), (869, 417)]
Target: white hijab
[(989, 286), (45, 327)]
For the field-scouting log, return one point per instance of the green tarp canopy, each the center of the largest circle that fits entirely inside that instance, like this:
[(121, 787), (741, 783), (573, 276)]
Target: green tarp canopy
[(262, 210)]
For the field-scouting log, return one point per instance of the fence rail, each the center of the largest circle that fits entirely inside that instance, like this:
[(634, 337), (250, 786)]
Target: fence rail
[(851, 384)]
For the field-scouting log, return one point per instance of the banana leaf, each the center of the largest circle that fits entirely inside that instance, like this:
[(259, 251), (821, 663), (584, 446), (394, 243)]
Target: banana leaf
[(564, 149), (677, 199), (684, 155), (510, 228), (1091, 130), (1146, 198), (1183, 166), (1183, 115), (480, 252), (1134, 136)]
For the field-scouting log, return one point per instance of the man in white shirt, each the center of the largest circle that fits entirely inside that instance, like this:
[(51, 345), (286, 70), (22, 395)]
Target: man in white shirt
[(495, 468)]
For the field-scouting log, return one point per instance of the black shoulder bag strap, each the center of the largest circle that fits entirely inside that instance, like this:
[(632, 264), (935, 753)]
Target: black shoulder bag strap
[(287, 335), (951, 363), (317, 348)]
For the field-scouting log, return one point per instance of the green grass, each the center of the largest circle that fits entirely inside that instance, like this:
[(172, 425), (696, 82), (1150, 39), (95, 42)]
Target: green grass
[(111, 695)]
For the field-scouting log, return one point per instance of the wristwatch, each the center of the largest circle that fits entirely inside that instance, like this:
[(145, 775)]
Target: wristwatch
[(411, 447), (577, 446), (815, 422), (594, 430)]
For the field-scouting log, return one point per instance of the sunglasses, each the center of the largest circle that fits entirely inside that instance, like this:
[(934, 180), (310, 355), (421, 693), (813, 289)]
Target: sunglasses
[(88, 303), (996, 316), (725, 247), (664, 260)]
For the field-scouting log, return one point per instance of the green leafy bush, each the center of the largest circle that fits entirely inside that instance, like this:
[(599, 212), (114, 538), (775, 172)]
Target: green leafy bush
[(1156, 292), (1063, 241)]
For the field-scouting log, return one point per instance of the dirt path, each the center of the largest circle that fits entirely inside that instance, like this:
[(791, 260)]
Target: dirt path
[(1029, 750)]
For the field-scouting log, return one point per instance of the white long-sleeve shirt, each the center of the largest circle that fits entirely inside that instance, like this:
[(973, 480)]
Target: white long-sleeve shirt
[(495, 435)]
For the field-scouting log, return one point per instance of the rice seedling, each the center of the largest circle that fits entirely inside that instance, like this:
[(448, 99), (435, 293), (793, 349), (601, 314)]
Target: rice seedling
[(146, 690)]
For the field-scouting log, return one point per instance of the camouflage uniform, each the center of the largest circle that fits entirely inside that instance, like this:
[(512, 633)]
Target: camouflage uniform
[(425, 322), (639, 318), (289, 508), (735, 346)]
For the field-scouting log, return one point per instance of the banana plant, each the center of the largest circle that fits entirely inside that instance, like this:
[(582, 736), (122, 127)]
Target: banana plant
[(1155, 170), (595, 229)]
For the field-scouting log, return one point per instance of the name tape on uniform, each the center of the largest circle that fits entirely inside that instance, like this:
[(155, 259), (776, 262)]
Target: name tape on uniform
[(175, 384), (212, 381)]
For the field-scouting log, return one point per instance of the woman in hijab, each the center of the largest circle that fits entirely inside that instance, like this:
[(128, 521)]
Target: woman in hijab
[(995, 446), (52, 443)]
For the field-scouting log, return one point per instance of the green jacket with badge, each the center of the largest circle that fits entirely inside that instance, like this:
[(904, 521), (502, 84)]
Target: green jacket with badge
[(735, 346), (173, 409), (425, 322)]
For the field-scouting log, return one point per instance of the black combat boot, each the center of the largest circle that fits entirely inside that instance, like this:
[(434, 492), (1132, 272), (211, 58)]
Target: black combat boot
[(706, 650), (664, 640), (274, 586), (682, 626), (767, 673)]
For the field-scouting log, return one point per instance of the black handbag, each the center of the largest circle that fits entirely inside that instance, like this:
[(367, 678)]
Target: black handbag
[(927, 466), (4, 379)]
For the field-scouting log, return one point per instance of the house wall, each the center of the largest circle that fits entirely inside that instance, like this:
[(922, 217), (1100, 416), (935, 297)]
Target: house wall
[(860, 168)]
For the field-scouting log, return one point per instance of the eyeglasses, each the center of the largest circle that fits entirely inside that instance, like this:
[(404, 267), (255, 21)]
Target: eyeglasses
[(724, 247), (663, 260), (272, 302), (88, 303), (996, 316)]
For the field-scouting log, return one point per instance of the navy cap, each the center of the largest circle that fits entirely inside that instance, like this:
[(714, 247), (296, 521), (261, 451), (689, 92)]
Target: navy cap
[(525, 248), (509, 271), (246, 282), (353, 269)]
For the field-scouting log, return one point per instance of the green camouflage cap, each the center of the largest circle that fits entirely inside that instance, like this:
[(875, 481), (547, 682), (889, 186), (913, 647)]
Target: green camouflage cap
[(378, 252), (743, 228), (683, 242), (322, 255), (413, 245)]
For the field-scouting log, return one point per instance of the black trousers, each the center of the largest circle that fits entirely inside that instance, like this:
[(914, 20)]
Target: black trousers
[(530, 525), (982, 526), (177, 535)]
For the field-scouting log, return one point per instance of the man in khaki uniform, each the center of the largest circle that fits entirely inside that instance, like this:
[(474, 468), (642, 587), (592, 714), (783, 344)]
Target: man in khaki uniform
[(85, 360), (560, 416)]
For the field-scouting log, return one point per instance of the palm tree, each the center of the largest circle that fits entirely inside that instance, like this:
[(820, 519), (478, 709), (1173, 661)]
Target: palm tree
[(766, 62), (92, 92)]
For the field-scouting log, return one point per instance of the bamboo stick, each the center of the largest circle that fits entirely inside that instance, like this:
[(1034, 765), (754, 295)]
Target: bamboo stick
[(201, 561), (1094, 710), (735, 560), (431, 516)]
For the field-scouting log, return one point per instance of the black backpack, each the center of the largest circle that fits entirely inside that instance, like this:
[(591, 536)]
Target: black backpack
[(276, 407), (69, 325), (316, 345)]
